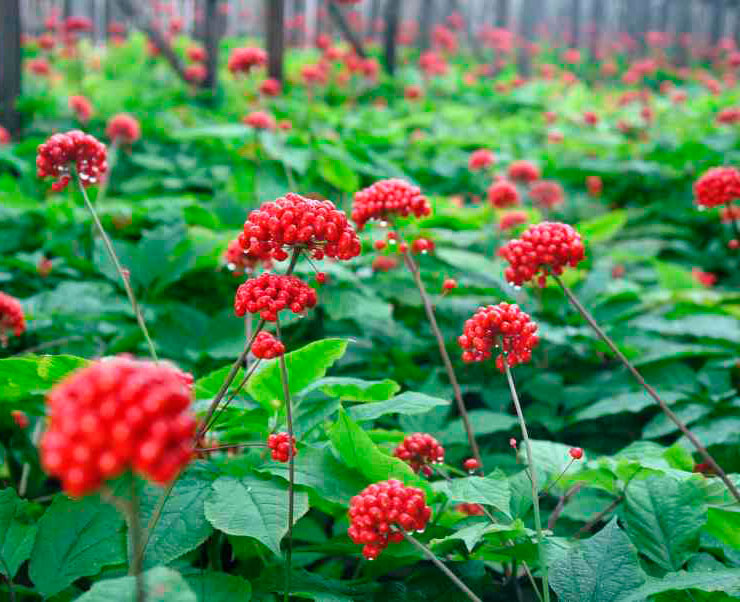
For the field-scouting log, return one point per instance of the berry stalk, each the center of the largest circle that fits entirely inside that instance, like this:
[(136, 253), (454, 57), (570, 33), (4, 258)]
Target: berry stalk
[(650, 391), (429, 308), (119, 268), (533, 478)]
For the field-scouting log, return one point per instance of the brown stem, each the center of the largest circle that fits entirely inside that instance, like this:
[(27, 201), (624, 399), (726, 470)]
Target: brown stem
[(564, 499), (429, 308), (441, 566), (638, 377), (596, 519), (207, 426)]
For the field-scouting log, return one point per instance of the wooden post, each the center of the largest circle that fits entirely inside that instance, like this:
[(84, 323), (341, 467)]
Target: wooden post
[(10, 65), (392, 14), (275, 28)]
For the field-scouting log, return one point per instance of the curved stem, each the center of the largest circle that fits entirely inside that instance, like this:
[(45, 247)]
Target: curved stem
[(533, 477), (291, 465), (119, 268), (441, 566), (652, 392), (429, 308)]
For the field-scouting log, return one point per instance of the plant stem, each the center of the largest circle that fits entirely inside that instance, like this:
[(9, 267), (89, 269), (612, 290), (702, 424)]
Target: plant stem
[(564, 499), (638, 377), (234, 393), (595, 520), (441, 566), (26, 471), (291, 465), (533, 477), (137, 542), (429, 308), (119, 268), (546, 490)]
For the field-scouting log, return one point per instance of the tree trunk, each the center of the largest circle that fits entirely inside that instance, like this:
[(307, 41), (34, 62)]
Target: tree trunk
[(597, 24), (719, 14), (526, 26), (275, 27), (10, 65), (664, 16), (426, 10), (575, 19), (374, 16), (67, 9), (683, 27), (211, 36), (502, 13), (392, 14), (347, 31)]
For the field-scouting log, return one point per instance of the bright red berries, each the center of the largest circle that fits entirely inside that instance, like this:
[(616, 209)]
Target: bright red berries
[(503, 193), (4, 136), (471, 465), (576, 453), (470, 509), (380, 510), (595, 186), (114, 415), (388, 198), (545, 248), (384, 263), (422, 245), (269, 294), (706, 279), (280, 447), (81, 107), (512, 219), (502, 326), (242, 60), (20, 419), (297, 222), (259, 120), (547, 194), (197, 54), (240, 261), (379, 245), (718, 186), (123, 129), (88, 155), (196, 73), (481, 159), (11, 318), (449, 284), (590, 118), (524, 171), (271, 87), (729, 116), (266, 346), (419, 451)]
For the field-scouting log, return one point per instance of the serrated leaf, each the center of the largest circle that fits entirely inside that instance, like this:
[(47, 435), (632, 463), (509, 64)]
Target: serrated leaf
[(17, 532), (492, 490), (624, 402), (406, 403), (23, 377), (219, 587), (356, 389), (160, 584), (253, 507), (76, 538), (722, 580), (724, 524), (604, 227)]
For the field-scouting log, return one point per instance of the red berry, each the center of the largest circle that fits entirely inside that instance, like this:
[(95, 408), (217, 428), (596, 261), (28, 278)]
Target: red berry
[(512, 219), (470, 509), (379, 510), (512, 443), (197, 54), (734, 244), (503, 193), (242, 60), (403, 247), (195, 73), (123, 128), (718, 186), (271, 87), (419, 451), (481, 159), (595, 186), (388, 198), (279, 444), (547, 194), (422, 245), (544, 248), (11, 317), (449, 284), (495, 325), (81, 107), (471, 465), (259, 120), (321, 277), (266, 346), (242, 261), (384, 264), (523, 171), (114, 415), (392, 236), (269, 294), (54, 157), (576, 453), (20, 419), (380, 245)]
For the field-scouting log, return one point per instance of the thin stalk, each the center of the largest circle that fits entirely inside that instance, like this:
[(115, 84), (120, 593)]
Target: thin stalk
[(564, 499), (429, 308), (26, 471), (119, 268), (234, 393), (638, 377), (291, 465), (441, 566), (533, 477), (137, 542), (596, 519), (546, 490)]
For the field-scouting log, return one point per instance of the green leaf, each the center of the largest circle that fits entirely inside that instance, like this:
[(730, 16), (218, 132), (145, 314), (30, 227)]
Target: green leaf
[(663, 517), (305, 365), (182, 525), (601, 569), (484, 422), (17, 532), (338, 174), (253, 507), (722, 580), (207, 387), (550, 458), (76, 538), (492, 490), (222, 131), (219, 587), (604, 227), (624, 402), (405, 403), (673, 277), (724, 524), (160, 584), (356, 389), (23, 377)]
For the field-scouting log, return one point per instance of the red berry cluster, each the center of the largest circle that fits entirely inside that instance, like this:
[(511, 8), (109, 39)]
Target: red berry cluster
[(88, 155), (295, 221), (595, 186), (81, 107), (718, 186), (381, 506), (266, 346), (280, 448), (20, 419), (4, 136), (196, 73), (503, 193), (242, 60), (512, 219), (503, 325), (197, 54), (421, 245), (471, 465), (269, 294), (123, 128), (241, 261), (524, 171), (547, 194), (481, 159), (543, 248), (419, 451), (114, 415), (259, 120), (11, 317), (387, 198), (271, 87)]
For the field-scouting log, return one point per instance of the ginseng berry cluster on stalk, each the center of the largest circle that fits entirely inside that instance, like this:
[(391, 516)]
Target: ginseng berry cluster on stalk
[(545, 248), (386, 199), (115, 415), (378, 510), (266, 346), (419, 451), (502, 326), (88, 155), (297, 222), (280, 448), (503, 193), (524, 171), (11, 317), (718, 186), (123, 128), (269, 294)]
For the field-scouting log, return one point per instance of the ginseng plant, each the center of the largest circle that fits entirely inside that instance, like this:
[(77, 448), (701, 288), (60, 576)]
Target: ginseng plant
[(546, 249)]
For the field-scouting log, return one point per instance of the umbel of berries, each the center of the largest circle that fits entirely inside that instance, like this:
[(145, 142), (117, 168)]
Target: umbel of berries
[(115, 415), (295, 222), (11, 318), (266, 346), (502, 326), (718, 186), (387, 199), (419, 451), (380, 511), (545, 248), (59, 154), (269, 294), (280, 447)]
